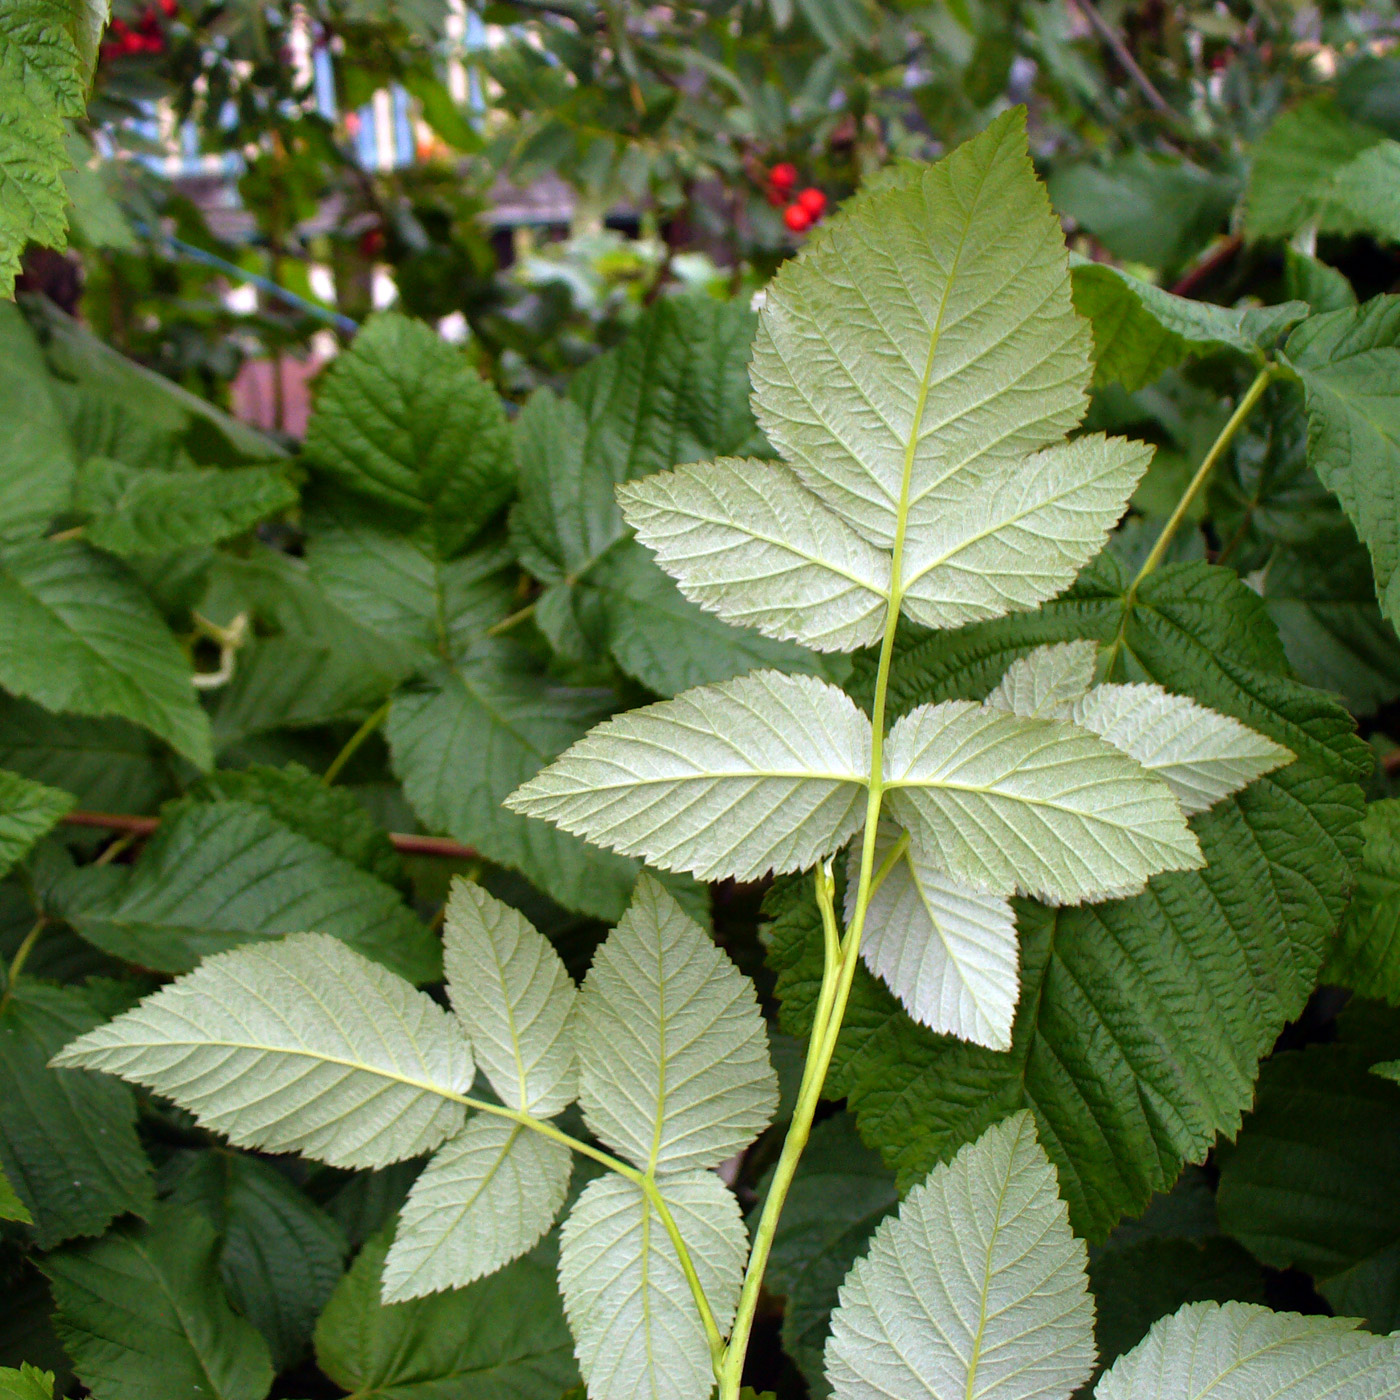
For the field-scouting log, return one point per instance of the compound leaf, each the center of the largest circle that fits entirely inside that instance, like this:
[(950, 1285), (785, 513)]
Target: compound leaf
[(1366, 957), (948, 951), (636, 1329), (1241, 1351), (77, 633), (510, 990), (143, 1317), (501, 1338), (673, 1054), (403, 423), (296, 1046), (1002, 802), (1046, 684), (486, 1198), (220, 874), (764, 772), (925, 345), (28, 812), (977, 1286)]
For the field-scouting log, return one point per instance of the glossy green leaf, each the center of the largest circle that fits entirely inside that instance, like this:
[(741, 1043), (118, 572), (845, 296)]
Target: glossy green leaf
[(142, 1314), (295, 1046), (220, 874), (673, 1054), (502, 1338), (976, 1285), (77, 633), (67, 1141)]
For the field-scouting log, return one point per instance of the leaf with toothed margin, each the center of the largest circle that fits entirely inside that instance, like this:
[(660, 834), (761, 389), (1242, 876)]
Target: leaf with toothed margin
[(1045, 684), (295, 1046)]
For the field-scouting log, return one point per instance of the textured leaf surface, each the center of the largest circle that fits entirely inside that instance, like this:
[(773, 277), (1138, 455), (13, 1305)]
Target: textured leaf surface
[(469, 735), (143, 1317), (1046, 684), (976, 1287), (486, 1198), (947, 951), (761, 773), (27, 1383), (673, 1053), (67, 1141), (1308, 1182), (1126, 1083), (1239, 1351), (1003, 802), (503, 1338), (1141, 331), (78, 633), (296, 1046), (404, 423), (43, 81), (1200, 755), (1366, 957), (929, 331), (637, 1332), (217, 875), (1349, 362), (840, 1193), (28, 812), (36, 459), (280, 1255), (748, 541), (510, 990), (142, 510)]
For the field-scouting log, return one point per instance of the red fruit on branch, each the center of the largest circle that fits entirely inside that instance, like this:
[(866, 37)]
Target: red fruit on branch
[(797, 218), (776, 197), (783, 176), (813, 201), (119, 28), (170, 8), (153, 43), (131, 43)]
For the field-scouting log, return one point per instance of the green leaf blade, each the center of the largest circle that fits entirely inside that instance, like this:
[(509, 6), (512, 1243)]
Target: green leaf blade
[(28, 812)]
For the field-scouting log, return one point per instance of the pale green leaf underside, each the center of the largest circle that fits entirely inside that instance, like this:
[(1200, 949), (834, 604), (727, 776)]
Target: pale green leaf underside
[(977, 1287), (1240, 1351), (1202, 756), (296, 1046), (510, 990), (636, 1329), (756, 774), (748, 541), (486, 1197), (928, 329), (1035, 805), (1045, 684), (946, 950), (673, 1054)]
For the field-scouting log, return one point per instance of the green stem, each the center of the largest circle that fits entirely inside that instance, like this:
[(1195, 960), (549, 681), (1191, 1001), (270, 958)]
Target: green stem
[(506, 623), (1198, 483), (20, 958), (354, 742)]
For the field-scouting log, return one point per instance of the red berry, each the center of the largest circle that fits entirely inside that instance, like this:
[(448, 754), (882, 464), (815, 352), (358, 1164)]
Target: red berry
[(371, 243), (783, 176), (132, 43), (797, 218), (170, 8), (149, 19), (153, 43), (119, 28), (813, 201), (776, 197)]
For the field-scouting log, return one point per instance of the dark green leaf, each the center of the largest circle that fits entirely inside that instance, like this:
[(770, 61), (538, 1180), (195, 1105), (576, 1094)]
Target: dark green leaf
[(28, 812), (135, 511), (67, 1138), (36, 454), (1140, 1021), (501, 1338), (78, 634), (297, 798), (280, 1256), (403, 422), (1310, 1181), (1322, 287), (143, 1316), (217, 875), (1366, 956)]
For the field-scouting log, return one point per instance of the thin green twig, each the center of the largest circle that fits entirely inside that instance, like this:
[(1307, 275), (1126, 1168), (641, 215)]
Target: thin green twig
[(354, 742)]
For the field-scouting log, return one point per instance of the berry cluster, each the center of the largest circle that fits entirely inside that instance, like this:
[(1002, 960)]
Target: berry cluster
[(804, 210), (146, 37)]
